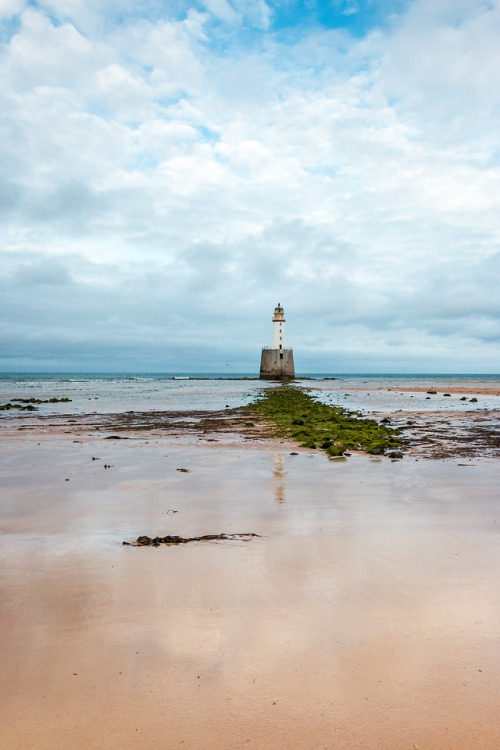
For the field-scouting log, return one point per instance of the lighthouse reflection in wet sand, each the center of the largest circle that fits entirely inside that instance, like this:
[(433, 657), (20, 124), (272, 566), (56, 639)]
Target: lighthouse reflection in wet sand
[(277, 362)]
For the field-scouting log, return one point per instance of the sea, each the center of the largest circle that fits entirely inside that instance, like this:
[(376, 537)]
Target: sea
[(103, 393)]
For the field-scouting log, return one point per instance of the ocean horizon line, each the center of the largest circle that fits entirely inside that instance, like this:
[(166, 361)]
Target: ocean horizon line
[(236, 375)]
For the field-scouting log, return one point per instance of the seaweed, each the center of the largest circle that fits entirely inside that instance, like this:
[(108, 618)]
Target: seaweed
[(20, 407), (314, 425), (27, 404), (147, 541), (52, 400)]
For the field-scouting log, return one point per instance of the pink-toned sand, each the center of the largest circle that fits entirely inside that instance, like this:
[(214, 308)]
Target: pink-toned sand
[(465, 388), (364, 616)]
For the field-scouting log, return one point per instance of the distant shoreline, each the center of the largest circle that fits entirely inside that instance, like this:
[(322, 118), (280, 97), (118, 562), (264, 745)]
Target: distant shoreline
[(44, 374)]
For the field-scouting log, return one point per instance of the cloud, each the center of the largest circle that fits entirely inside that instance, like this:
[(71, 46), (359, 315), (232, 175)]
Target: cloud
[(170, 172), (221, 9), (9, 8), (442, 65), (46, 272)]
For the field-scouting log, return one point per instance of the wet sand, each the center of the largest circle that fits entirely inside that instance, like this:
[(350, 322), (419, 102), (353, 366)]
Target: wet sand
[(364, 616), (463, 388)]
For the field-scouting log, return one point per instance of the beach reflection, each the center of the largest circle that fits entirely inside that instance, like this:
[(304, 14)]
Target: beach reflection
[(371, 592), (278, 460)]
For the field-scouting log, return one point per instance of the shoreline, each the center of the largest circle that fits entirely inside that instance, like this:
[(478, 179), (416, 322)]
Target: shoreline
[(430, 434)]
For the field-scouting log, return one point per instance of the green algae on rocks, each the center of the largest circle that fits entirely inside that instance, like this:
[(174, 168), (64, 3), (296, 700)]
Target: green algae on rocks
[(9, 406), (27, 404), (335, 430), (52, 400)]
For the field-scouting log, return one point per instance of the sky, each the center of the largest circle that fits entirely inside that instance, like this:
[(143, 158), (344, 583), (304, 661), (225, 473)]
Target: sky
[(171, 170)]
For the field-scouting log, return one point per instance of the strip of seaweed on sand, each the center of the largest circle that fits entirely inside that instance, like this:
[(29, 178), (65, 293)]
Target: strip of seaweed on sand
[(313, 424)]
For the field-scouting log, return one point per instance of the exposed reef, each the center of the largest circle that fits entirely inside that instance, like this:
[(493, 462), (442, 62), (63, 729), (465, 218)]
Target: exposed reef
[(430, 435), (27, 404), (335, 430)]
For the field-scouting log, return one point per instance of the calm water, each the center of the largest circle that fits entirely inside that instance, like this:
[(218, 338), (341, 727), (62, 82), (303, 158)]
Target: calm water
[(103, 393)]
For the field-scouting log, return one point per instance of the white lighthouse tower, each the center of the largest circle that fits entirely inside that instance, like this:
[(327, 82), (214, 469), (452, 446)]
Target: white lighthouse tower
[(278, 328), (277, 362)]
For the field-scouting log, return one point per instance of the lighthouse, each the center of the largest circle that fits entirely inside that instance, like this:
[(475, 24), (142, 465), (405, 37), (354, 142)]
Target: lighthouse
[(278, 328), (277, 362)]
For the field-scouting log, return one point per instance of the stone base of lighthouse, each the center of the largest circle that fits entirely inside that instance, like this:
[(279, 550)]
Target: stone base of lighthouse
[(277, 364)]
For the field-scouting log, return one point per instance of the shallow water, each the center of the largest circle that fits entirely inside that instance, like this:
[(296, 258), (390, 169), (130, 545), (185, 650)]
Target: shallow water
[(115, 393), (365, 615), (120, 394)]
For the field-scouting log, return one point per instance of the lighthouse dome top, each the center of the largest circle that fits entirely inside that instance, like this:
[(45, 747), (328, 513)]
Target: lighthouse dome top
[(279, 313)]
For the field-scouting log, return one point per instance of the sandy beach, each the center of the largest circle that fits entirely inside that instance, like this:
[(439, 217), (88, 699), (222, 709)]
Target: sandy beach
[(364, 615), (476, 388)]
